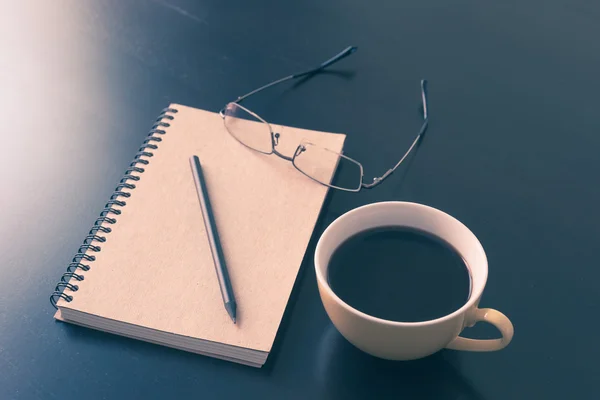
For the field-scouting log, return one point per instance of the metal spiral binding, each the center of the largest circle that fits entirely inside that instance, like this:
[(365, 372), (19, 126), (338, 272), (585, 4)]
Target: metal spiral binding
[(81, 260)]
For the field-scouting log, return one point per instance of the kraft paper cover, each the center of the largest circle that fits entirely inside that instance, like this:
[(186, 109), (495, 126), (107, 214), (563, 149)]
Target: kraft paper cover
[(155, 268)]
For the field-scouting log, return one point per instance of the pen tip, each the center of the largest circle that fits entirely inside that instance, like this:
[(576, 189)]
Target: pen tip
[(230, 307)]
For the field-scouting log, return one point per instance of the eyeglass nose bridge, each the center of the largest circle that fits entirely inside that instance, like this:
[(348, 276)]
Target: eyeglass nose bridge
[(275, 140)]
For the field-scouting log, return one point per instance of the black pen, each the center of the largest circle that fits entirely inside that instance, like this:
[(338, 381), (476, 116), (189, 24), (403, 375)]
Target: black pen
[(213, 238)]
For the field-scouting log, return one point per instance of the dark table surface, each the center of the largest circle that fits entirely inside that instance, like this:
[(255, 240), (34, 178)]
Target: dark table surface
[(512, 151)]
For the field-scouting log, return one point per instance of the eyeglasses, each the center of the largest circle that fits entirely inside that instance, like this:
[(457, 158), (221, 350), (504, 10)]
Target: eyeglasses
[(312, 160)]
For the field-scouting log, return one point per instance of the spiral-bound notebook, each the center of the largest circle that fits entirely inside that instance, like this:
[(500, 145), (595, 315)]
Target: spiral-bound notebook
[(145, 270)]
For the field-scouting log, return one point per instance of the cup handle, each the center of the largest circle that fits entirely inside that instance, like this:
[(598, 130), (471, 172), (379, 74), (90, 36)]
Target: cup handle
[(490, 316)]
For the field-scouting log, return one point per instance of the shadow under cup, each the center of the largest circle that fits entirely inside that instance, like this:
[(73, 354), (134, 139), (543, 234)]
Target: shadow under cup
[(409, 340)]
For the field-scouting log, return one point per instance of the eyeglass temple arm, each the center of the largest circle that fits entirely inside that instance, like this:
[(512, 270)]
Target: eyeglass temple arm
[(344, 53), (377, 181)]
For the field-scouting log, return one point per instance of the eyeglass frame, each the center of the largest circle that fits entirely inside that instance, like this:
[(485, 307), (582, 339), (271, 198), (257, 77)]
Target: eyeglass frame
[(275, 136)]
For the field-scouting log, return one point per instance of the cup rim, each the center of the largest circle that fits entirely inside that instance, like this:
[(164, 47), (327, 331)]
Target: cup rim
[(475, 295)]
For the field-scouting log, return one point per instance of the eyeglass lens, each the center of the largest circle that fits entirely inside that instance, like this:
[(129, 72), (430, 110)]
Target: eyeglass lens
[(247, 128)]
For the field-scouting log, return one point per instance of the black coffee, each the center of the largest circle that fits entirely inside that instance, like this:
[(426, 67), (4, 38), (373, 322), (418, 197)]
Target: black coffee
[(399, 274)]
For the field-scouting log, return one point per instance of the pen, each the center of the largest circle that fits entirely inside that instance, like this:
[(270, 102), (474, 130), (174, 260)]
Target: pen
[(213, 238)]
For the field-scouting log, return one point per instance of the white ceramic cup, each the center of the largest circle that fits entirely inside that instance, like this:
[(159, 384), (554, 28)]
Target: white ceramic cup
[(410, 340)]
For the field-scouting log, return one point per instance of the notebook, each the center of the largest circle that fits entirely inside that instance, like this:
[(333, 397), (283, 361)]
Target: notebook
[(146, 267)]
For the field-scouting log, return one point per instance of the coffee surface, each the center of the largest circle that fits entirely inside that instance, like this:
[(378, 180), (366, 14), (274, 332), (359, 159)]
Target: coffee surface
[(399, 274)]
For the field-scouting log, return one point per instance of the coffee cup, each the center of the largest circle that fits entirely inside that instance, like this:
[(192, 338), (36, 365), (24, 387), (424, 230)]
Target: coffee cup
[(396, 340)]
